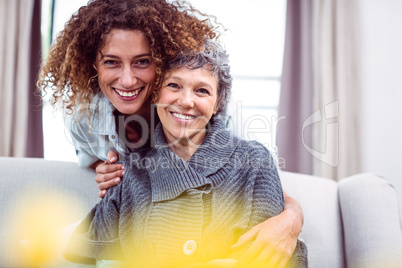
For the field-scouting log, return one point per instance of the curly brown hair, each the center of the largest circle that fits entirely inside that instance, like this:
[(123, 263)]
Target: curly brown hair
[(169, 28)]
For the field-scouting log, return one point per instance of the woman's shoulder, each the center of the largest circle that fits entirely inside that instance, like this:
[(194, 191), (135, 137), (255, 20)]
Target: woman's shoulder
[(88, 115), (253, 147), (254, 155)]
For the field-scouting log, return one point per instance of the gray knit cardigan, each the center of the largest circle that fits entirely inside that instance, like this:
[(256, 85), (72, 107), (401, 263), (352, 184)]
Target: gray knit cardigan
[(228, 186)]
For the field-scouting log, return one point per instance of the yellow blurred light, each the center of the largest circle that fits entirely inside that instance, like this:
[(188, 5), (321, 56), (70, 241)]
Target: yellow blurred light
[(38, 221)]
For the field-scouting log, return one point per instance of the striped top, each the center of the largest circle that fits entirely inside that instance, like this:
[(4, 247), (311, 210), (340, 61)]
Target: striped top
[(171, 213)]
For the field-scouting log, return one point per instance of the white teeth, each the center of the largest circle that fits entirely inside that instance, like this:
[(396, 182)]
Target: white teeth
[(127, 94), (182, 116)]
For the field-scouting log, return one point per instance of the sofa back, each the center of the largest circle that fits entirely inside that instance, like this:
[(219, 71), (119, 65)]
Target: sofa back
[(359, 215), (25, 181)]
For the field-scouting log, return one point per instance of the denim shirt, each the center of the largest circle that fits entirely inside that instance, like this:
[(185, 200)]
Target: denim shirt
[(93, 138)]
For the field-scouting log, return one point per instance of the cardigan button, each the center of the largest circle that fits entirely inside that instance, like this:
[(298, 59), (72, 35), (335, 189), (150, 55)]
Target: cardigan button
[(189, 247)]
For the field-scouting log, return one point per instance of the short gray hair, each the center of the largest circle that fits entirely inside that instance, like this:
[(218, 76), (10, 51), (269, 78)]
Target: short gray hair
[(213, 58)]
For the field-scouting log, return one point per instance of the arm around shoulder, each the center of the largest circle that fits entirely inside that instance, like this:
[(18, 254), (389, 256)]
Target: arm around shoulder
[(275, 239)]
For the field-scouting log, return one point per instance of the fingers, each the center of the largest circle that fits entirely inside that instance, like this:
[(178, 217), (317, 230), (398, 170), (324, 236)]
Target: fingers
[(272, 254), (247, 237), (273, 244), (250, 254), (112, 157), (109, 172), (273, 261), (107, 184), (102, 193), (264, 259), (283, 262), (106, 168)]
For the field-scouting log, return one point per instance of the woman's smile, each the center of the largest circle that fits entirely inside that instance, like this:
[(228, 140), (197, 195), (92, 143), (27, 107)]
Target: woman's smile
[(128, 95), (185, 118)]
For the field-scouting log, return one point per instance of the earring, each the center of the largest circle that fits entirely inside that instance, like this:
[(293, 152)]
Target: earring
[(92, 79)]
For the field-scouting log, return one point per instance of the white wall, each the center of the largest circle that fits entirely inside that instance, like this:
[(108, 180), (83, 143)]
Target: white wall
[(381, 38)]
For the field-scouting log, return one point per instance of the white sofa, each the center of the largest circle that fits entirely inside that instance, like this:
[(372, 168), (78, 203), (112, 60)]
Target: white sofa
[(353, 223)]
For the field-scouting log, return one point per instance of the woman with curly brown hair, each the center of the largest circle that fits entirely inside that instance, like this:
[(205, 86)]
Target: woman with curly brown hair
[(102, 70)]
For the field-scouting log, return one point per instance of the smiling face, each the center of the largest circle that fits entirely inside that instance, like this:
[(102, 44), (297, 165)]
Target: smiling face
[(186, 102), (126, 71)]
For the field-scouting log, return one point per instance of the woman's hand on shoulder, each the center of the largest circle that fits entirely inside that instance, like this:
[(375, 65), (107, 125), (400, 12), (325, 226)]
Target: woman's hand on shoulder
[(108, 174), (274, 239)]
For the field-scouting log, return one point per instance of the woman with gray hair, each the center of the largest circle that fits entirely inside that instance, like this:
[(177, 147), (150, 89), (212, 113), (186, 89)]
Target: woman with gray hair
[(102, 70), (185, 201)]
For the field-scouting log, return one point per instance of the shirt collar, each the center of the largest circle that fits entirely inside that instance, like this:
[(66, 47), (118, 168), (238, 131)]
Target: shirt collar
[(171, 176)]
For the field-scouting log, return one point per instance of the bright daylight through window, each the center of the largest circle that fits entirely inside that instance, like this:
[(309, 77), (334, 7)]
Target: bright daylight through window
[(254, 40)]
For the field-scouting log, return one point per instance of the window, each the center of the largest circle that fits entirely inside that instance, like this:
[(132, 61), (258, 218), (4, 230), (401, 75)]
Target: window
[(254, 40), (57, 141)]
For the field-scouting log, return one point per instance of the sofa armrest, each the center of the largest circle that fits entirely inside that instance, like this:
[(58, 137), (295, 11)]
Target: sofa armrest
[(371, 220), (322, 230)]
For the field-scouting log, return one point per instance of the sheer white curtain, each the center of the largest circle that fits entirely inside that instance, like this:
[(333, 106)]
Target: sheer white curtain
[(320, 94), (20, 116), (336, 128)]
